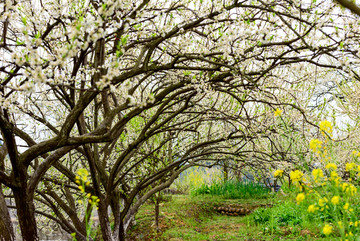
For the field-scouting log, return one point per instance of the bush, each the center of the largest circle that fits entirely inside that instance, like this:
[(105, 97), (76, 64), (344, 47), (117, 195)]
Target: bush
[(233, 189)]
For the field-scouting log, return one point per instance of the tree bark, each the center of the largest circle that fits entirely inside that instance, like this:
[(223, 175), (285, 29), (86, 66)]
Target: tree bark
[(122, 231), (26, 214), (104, 222), (6, 226), (157, 211), (226, 171)]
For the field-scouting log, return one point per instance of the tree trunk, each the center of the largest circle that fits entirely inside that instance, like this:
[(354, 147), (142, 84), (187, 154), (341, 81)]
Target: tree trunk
[(122, 232), (157, 211), (6, 226), (104, 222), (26, 214), (226, 171)]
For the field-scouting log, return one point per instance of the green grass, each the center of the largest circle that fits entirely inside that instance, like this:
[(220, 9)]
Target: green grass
[(233, 190), (188, 217)]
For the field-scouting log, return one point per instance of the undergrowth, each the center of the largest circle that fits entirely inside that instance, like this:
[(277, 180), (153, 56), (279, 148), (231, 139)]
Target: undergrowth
[(233, 189)]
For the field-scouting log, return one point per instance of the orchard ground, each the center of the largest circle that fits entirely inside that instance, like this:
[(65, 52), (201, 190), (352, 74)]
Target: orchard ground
[(187, 217)]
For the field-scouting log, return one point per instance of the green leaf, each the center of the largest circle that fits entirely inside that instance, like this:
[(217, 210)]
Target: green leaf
[(23, 19), (124, 39), (187, 73), (37, 35)]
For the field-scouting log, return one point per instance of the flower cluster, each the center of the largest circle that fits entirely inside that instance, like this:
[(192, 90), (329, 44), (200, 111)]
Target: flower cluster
[(278, 173), (326, 128), (296, 176), (319, 147), (317, 174), (82, 181), (327, 196), (315, 145)]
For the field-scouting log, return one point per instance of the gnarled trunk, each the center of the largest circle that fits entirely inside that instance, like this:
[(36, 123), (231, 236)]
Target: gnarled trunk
[(6, 227), (26, 214), (104, 223)]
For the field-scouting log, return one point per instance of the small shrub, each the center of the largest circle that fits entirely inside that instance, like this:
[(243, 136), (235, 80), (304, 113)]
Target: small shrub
[(233, 189)]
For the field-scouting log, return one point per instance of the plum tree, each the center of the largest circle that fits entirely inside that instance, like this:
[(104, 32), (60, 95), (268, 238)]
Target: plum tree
[(110, 86)]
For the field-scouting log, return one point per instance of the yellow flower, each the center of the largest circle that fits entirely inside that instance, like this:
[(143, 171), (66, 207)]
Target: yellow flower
[(331, 166), (340, 224), (317, 174), (315, 144), (278, 112), (334, 176), (81, 188), (326, 126), (296, 175), (327, 229), (312, 208), (83, 175), (300, 197), (322, 201), (344, 186), (346, 206), (350, 166), (335, 200), (82, 172), (278, 173), (352, 190)]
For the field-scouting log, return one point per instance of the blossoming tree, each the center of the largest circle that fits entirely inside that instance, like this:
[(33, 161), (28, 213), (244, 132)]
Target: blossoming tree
[(110, 86)]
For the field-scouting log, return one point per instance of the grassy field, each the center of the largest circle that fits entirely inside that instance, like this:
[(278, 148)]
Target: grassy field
[(186, 217)]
